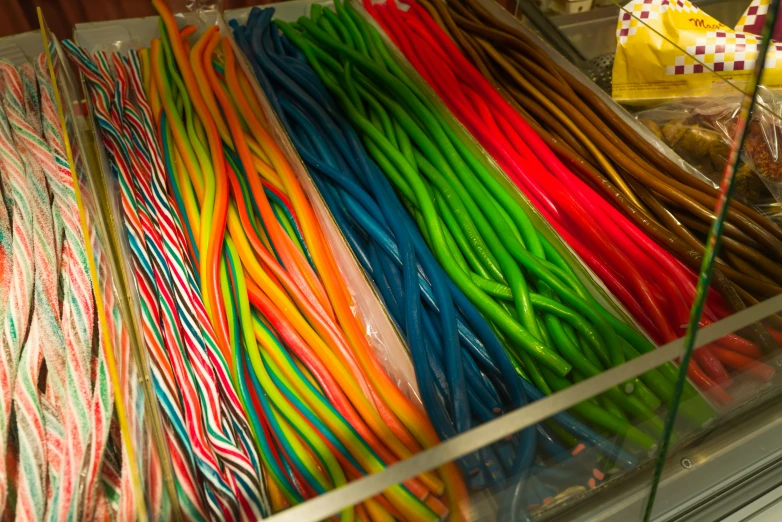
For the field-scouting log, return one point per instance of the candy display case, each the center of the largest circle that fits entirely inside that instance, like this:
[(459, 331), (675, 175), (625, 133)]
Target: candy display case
[(388, 260)]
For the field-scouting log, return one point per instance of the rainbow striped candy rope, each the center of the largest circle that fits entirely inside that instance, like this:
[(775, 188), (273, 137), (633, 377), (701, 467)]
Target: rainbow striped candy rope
[(154, 199), (202, 364), (167, 388), (208, 361), (165, 383), (78, 311), (219, 498), (17, 314), (182, 455), (45, 335)]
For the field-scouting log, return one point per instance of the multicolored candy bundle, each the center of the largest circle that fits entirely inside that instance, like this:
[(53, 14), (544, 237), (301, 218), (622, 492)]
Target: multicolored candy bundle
[(656, 287)]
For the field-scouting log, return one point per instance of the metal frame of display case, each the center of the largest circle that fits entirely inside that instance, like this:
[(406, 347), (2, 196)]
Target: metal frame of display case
[(728, 458), (715, 476)]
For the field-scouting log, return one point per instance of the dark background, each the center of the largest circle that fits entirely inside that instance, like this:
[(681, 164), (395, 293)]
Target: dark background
[(18, 16)]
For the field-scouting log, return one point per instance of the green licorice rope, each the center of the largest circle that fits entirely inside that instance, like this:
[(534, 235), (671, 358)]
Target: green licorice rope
[(502, 224), (486, 229)]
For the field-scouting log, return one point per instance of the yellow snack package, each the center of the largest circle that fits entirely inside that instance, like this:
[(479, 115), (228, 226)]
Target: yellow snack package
[(668, 49)]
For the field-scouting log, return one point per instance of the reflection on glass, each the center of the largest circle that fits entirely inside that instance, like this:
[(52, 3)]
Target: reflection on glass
[(698, 462)]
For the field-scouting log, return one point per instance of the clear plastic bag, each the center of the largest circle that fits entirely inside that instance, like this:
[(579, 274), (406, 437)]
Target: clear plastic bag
[(699, 130), (124, 459)]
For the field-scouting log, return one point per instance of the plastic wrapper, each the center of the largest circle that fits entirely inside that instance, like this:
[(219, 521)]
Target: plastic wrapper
[(131, 467), (699, 129), (671, 48)]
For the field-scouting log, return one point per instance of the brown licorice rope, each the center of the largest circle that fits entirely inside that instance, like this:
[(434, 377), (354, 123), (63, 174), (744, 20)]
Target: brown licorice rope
[(673, 207)]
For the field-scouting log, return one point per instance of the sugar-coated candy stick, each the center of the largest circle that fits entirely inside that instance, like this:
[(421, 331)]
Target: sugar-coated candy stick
[(45, 330), (17, 313)]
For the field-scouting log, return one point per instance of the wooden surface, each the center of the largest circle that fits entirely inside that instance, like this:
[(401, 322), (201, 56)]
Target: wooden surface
[(18, 16)]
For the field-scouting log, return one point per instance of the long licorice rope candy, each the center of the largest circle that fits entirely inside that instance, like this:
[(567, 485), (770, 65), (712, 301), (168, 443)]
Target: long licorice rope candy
[(291, 184), (61, 426), (362, 354), (690, 285), (266, 63), (241, 474), (115, 373), (466, 113), (414, 306), (430, 79), (266, 60), (438, 41), (129, 391), (507, 264), (229, 66), (654, 157)]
